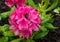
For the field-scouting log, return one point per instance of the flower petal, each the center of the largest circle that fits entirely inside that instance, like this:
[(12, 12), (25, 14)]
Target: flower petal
[(33, 27)]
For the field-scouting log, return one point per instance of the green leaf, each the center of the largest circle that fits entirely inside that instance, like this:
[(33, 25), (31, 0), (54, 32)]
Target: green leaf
[(30, 40), (53, 5), (46, 18), (8, 33), (4, 28), (12, 9), (16, 40), (4, 39), (46, 3), (0, 17), (31, 3), (40, 34), (6, 14), (50, 26), (43, 28), (57, 10), (24, 40)]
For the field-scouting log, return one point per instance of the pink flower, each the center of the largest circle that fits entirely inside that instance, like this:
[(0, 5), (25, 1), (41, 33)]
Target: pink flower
[(34, 27), (18, 3), (24, 20), (12, 16), (34, 16), (15, 29), (9, 3), (23, 23), (26, 32)]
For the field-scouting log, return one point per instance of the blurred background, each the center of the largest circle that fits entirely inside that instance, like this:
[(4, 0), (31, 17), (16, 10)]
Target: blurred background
[(53, 35)]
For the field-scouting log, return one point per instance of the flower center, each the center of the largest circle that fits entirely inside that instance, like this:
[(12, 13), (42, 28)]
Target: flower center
[(26, 16)]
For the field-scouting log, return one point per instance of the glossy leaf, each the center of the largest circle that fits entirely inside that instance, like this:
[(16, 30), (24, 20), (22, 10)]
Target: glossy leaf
[(30, 40), (46, 18), (57, 10), (4, 28), (16, 40), (53, 5), (43, 28), (8, 33), (40, 35), (50, 26), (31, 3)]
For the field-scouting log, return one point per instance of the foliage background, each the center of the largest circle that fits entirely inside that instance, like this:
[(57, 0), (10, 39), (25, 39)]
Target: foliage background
[(53, 36)]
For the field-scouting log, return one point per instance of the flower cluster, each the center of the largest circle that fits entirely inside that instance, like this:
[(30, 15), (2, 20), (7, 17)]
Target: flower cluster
[(24, 20), (18, 3)]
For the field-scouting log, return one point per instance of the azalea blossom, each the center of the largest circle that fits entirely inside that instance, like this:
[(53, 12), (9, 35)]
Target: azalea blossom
[(26, 32), (18, 3), (24, 20)]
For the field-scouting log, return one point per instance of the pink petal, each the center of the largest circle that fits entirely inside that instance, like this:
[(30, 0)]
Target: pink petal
[(33, 27), (12, 22), (37, 20), (23, 23), (12, 16), (27, 36), (33, 14), (9, 3), (16, 32), (26, 33), (12, 27), (21, 35)]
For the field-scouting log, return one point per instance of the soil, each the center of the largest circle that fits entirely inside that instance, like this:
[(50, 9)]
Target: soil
[(53, 36)]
